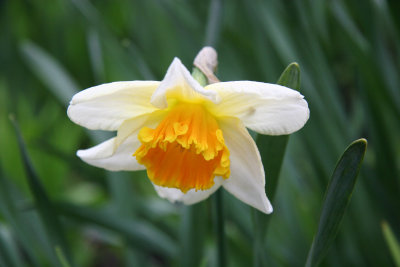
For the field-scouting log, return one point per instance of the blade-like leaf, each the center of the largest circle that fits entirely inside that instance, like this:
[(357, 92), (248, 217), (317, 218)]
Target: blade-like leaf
[(392, 243), (9, 212), (43, 204), (140, 234), (63, 87), (337, 197), (96, 54), (344, 18), (290, 77), (272, 150), (8, 249), (61, 257), (50, 72)]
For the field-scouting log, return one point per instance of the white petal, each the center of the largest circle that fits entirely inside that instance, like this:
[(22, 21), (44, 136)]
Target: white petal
[(247, 180), (116, 154), (106, 155), (265, 108), (106, 106), (133, 126), (190, 197), (179, 83)]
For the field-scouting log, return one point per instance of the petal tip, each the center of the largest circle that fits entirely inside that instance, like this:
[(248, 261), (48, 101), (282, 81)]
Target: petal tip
[(268, 208), (176, 61), (179, 80)]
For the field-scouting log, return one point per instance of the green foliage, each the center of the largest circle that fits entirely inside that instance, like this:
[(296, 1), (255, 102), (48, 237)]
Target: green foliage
[(44, 206), (392, 243), (272, 149), (349, 56), (337, 197), (61, 257)]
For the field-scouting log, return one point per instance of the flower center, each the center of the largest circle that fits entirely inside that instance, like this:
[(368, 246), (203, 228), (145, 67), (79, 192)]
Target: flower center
[(186, 150)]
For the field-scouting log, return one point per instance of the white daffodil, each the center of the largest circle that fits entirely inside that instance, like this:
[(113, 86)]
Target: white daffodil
[(191, 139)]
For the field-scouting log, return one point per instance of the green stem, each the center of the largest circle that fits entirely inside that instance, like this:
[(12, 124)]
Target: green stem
[(219, 225), (258, 238), (199, 76)]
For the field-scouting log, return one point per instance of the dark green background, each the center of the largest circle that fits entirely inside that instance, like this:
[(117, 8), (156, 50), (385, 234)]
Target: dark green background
[(349, 55)]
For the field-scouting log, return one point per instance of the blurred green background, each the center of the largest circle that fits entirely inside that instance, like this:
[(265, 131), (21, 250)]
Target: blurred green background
[(349, 55)]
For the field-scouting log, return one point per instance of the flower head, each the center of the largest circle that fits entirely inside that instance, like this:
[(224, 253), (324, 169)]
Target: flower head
[(191, 139)]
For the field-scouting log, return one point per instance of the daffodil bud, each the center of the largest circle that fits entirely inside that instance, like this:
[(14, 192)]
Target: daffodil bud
[(207, 61)]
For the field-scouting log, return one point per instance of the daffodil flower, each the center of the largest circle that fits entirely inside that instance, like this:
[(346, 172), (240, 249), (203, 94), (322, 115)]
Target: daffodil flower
[(191, 139)]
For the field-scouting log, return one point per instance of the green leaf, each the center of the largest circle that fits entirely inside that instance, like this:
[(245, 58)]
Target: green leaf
[(272, 150), (290, 77), (10, 213), (392, 243), (337, 197), (61, 257), (140, 234), (8, 248), (96, 54), (43, 204), (63, 87), (344, 19), (53, 75)]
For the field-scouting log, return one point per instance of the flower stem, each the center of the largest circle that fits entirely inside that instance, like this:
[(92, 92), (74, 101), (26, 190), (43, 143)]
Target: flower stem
[(199, 76), (259, 235), (219, 226)]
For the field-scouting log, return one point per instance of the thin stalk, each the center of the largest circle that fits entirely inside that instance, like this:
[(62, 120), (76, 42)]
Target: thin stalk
[(219, 226), (213, 23), (259, 234)]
